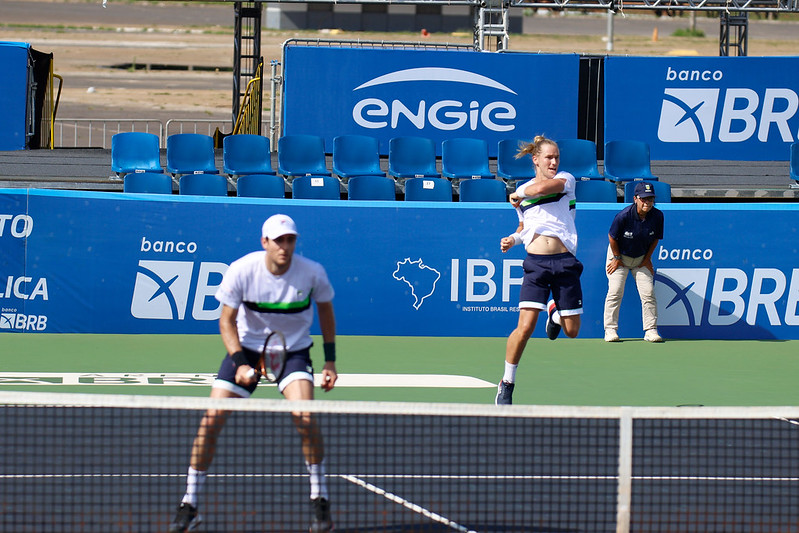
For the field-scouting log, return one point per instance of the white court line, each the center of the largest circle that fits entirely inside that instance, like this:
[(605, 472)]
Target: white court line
[(206, 379), (407, 504), (794, 422)]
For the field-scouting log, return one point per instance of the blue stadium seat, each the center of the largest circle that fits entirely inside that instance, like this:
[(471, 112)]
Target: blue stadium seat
[(428, 190), (412, 157), (627, 161), (595, 191), (189, 153), (261, 186), (578, 158), (794, 169), (246, 154), (371, 188), (301, 155), (465, 158), (148, 182), (135, 151), (484, 190), (201, 184), (356, 155), (662, 191), (316, 188), (510, 168)]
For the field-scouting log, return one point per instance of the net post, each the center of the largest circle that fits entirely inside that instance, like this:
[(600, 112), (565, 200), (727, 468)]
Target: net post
[(625, 471)]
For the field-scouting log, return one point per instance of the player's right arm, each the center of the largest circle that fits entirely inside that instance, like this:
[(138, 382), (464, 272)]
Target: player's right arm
[(506, 243), (230, 338)]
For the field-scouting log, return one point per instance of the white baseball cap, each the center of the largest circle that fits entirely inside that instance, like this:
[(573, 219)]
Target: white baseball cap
[(277, 226)]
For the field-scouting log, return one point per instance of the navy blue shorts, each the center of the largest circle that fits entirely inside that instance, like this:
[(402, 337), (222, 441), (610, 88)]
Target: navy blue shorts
[(296, 362), (558, 274)]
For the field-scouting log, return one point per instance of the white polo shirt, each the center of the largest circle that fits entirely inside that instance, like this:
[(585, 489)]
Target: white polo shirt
[(267, 302), (551, 215)]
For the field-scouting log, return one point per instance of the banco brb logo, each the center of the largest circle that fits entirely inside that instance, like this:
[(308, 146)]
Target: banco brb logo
[(162, 289), (688, 115), (738, 114)]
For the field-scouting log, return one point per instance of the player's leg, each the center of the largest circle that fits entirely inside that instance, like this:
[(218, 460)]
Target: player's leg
[(204, 446), (532, 299), (298, 385), (568, 293)]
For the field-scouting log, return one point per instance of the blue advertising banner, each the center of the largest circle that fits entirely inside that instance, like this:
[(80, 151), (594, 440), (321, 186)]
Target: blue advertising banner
[(727, 108), (126, 263), (385, 93), (14, 95)]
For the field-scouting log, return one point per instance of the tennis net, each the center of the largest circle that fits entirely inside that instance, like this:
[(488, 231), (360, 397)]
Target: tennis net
[(86, 463)]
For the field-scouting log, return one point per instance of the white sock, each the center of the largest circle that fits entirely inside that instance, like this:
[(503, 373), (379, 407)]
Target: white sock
[(194, 485), (318, 480), (510, 373)]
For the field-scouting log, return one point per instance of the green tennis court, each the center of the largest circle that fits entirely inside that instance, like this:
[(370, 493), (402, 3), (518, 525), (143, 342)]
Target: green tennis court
[(426, 369)]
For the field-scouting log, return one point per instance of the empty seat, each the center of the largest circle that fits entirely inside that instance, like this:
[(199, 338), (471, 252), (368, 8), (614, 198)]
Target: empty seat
[(627, 161), (189, 153), (316, 188), (261, 186), (301, 155), (794, 164), (428, 190), (465, 158), (135, 151), (371, 188), (203, 184), (487, 190), (356, 155), (148, 182), (662, 191), (246, 154), (595, 191), (412, 157), (578, 158), (510, 168)]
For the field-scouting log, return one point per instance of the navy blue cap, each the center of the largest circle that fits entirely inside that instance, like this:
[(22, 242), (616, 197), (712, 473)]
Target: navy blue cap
[(644, 190)]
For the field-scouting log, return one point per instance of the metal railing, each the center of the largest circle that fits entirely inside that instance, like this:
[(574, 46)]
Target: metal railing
[(97, 133)]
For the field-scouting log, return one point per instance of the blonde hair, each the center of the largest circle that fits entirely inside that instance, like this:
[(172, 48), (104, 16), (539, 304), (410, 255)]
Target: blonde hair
[(534, 148)]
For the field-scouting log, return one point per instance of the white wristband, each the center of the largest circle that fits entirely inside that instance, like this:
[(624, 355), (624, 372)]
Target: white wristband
[(517, 238)]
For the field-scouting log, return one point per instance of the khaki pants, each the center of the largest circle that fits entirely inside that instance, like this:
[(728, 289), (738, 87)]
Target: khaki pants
[(644, 281)]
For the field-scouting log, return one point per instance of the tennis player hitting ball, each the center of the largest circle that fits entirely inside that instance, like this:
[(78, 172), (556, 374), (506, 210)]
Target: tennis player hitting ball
[(265, 291), (545, 206)]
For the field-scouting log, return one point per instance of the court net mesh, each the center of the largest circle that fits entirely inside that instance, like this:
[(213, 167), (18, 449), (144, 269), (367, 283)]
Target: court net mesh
[(77, 462)]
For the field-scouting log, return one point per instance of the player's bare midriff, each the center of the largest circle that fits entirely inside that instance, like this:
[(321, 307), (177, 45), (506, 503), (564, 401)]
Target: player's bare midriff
[(545, 245)]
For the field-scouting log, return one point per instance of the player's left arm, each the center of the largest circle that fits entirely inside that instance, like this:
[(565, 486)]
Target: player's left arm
[(540, 187), (327, 323)]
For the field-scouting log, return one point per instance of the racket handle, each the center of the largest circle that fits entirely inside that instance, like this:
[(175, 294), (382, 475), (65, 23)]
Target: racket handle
[(252, 373)]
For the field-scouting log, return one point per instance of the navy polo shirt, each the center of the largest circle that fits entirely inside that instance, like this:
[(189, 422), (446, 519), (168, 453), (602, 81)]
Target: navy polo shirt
[(634, 235)]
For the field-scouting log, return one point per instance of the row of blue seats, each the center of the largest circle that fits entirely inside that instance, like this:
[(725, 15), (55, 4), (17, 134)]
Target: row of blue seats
[(358, 155), (364, 188)]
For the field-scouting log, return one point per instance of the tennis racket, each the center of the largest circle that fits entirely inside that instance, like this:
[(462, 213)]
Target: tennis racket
[(273, 357)]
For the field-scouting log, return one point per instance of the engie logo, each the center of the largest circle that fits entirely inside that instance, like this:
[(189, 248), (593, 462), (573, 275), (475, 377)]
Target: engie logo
[(446, 114), (700, 115), (164, 289), (683, 299)]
